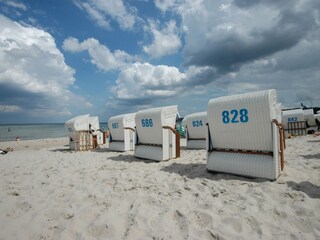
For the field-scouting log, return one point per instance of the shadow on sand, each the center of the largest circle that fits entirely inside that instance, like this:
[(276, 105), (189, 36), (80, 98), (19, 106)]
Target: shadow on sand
[(307, 187), (193, 170), (102, 150), (63, 150), (68, 150), (310, 156), (130, 158)]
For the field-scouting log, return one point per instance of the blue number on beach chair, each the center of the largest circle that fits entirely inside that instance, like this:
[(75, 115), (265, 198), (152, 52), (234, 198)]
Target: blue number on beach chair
[(197, 123), (292, 119), (146, 122), (115, 125), (234, 116), (244, 115)]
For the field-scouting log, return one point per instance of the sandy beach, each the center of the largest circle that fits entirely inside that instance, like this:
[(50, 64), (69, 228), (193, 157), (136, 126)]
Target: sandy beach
[(50, 192)]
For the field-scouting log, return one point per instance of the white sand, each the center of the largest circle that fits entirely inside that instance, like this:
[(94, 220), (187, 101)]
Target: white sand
[(48, 192)]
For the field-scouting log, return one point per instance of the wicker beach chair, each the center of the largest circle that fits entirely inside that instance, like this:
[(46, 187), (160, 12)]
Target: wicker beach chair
[(122, 132), (195, 128), (157, 138), (244, 136)]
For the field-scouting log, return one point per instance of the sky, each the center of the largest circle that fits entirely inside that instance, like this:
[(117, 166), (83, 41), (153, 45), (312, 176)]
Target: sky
[(63, 58)]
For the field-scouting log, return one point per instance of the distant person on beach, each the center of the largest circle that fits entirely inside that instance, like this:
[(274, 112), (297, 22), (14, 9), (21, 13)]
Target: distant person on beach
[(9, 130), (17, 139)]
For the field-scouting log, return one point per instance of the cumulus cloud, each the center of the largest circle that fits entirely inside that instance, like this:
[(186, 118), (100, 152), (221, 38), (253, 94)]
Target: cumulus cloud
[(100, 55), (200, 75), (165, 41), (295, 74), (33, 74), (244, 45), (141, 83), (145, 81), (229, 47), (235, 39), (103, 11)]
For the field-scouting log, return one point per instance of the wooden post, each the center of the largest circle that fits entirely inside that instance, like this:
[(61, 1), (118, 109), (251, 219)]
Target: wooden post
[(177, 134), (94, 141), (178, 144), (280, 127)]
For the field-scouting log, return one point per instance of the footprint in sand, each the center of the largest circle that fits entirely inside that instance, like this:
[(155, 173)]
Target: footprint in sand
[(182, 223), (44, 236), (295, 196), (234, 223), (254, 224), (68, 215), (98, 230), (131, 221), (14, 193), (25, 206), (204, 219), (280, 214), (20, 209), (213, 236)]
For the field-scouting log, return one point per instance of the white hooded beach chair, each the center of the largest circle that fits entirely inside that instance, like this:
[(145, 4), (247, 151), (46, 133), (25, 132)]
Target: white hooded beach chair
[(195, 130), (122, 132), (245, 136), (317, 120), (157, 138), (310, 117), (83, 131), (294, 122)]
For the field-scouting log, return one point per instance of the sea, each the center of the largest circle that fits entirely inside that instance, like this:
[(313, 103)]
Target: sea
[(10, 132)]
